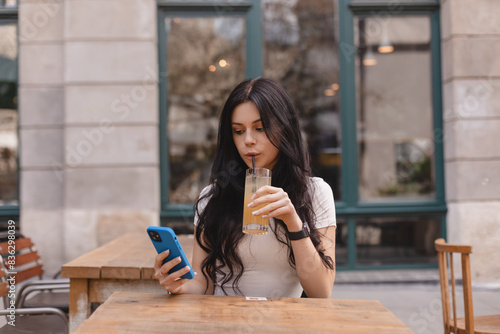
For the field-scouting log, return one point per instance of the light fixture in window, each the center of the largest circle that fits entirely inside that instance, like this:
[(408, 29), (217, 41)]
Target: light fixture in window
[(335, 86), (369, 58), (10, 3), (212, 68), (329, 92), (385, 45), (222, 63)]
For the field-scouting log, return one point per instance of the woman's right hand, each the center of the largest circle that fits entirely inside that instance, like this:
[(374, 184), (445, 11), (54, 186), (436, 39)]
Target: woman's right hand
[(172, 282)]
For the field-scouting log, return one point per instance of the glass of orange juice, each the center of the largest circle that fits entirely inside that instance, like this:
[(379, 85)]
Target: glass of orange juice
[(255, 178)]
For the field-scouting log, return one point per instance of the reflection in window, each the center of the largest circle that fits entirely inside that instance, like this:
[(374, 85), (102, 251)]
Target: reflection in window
[(300, 52), (8, 3), (396, 240), (205, 61), (394, 117), (9, 177)]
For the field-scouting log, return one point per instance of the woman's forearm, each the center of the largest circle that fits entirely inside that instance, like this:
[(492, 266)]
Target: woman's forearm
[(197, 286), (316, 279)]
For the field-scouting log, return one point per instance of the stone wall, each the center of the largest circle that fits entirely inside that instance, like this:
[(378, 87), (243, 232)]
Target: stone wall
[(88, 123), (471, 86), (88, 107)]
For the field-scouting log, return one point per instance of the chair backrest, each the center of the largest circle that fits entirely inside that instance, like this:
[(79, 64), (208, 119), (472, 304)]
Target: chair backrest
[(4, 285), (21, 259), (445, 253)]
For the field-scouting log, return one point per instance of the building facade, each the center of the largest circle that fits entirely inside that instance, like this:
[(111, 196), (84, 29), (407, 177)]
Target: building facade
[(109, 116)]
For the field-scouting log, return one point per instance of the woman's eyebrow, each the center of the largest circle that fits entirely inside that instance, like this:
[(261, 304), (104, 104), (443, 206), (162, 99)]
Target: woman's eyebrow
[(256, 121)]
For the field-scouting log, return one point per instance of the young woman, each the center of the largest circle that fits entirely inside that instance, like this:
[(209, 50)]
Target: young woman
[(298, 253)]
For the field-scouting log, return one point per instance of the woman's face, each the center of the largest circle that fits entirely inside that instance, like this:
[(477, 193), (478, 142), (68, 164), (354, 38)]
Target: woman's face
[(250, 138)]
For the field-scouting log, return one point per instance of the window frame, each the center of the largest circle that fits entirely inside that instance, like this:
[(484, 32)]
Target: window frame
[(350, 208), (250, 10)]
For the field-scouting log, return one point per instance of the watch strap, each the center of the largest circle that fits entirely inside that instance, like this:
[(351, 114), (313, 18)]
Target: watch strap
[(298, 235)]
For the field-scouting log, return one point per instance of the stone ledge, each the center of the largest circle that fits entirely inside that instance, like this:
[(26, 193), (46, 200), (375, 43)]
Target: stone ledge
[(379, 276)]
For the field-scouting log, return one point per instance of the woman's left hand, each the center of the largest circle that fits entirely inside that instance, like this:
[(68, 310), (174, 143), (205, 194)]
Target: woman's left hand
[(278, 206)]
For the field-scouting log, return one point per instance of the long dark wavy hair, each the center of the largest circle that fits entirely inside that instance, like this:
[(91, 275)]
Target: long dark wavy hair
[(219, 222)]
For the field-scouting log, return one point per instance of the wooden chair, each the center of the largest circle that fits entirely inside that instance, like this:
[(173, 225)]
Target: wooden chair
[(22, 258), (469, 324), (28, 320)]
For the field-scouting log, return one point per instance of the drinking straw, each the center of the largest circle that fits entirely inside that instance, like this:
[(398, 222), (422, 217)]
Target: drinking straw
[(253, 163)]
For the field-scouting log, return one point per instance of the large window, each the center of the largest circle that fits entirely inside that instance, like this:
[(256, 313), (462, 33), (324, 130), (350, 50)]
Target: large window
[(365, 78), (9, 143)]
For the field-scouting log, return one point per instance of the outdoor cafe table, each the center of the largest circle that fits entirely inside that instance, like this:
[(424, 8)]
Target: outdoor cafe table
[(138, 312), (124, 264)]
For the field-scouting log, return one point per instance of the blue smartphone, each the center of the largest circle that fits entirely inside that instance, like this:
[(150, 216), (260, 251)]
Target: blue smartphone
[(164, 238)]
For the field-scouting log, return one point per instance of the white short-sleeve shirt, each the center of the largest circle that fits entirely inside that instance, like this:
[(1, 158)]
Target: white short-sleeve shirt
[(267, 270)]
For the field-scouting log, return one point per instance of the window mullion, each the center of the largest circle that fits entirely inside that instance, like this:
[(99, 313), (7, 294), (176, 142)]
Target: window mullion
[(347, 53), (437, 104), (254, 41)]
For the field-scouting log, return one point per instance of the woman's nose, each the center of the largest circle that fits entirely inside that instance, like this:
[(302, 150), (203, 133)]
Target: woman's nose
[(249, 138)]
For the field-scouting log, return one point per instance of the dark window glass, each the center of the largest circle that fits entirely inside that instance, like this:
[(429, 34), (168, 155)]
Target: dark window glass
[(394, 116), (9, 3), (300, 51), (395, 241), (205, 61), (341, 258), (9, 176)]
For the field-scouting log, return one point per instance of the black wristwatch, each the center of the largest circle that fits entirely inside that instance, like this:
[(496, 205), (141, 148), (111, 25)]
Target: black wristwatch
[(298, 235)]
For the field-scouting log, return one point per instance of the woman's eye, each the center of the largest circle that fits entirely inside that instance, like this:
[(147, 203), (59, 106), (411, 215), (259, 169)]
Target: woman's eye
[(260, 129), (237, 132)]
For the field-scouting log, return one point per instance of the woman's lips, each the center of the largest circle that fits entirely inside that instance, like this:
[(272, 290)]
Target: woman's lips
[(250, 155)]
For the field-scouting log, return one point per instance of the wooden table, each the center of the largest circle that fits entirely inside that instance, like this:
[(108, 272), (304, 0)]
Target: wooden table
[(124, 264), (132, 312)]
